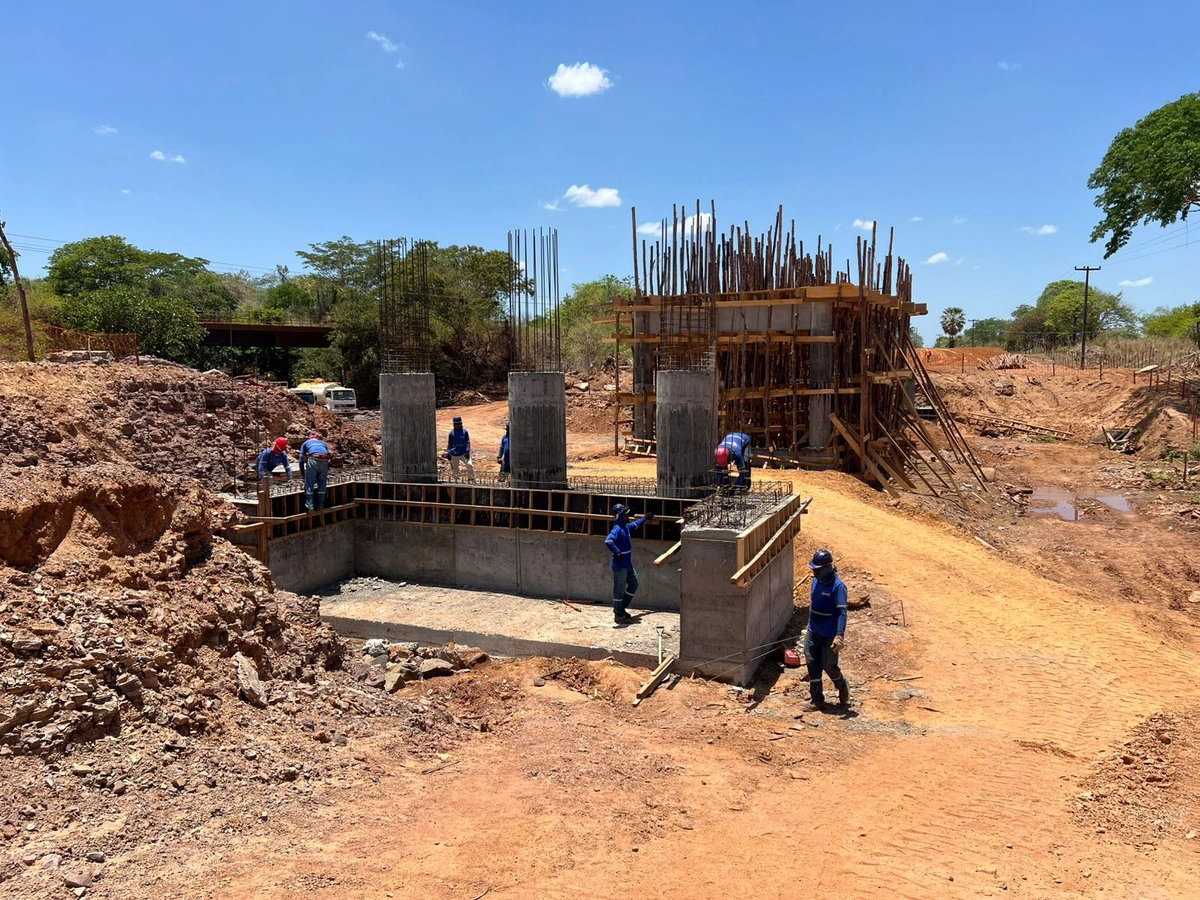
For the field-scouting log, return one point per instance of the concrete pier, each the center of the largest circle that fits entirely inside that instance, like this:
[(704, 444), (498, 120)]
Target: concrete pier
[(408, 427), (686, 431), (820, 375), (725, 631), (537, 415)]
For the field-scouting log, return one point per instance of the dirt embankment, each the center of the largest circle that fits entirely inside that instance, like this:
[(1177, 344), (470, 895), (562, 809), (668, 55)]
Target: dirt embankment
[(161, 419)]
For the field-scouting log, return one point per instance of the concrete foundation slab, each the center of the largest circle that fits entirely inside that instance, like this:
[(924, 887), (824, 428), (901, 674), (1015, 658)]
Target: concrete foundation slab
[(501, 624)]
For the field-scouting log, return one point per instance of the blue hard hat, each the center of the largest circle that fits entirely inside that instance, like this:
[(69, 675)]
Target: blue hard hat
[(821, 559), (619, 509)]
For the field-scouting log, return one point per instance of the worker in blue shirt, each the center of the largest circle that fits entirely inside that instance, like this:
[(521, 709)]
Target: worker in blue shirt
[(734, 448), (314, 463), (458, 450), (620, 544), (826, 632), (275, 455), (504, 457)]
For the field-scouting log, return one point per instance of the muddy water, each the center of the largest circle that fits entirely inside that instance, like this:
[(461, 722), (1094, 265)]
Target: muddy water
[(1064, 503)]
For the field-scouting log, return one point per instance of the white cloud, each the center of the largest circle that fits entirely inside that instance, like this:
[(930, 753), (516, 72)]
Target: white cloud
[(579, 80), (688, 226), (959, 261), (552, 206), (125, 191), (958, 220), (917, 219), (159, 155), (1006, 66), (104, 130), (837, 227), (1141, 282), (582, 195), (937, 258), (1040, 232), (385, 43), (864, 224), (178, 159)]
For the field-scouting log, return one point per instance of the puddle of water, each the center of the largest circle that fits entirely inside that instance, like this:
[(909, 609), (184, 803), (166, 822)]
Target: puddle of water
[(1063, 503)]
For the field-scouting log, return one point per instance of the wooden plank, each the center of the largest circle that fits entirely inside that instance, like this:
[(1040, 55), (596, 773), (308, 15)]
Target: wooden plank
[(782, 536), (655, 679), (869, 463), (670, 552)]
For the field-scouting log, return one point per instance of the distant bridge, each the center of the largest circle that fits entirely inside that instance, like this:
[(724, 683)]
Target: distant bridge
[(265, 334)]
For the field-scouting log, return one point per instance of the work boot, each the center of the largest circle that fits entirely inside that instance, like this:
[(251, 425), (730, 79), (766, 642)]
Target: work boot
[(843, 687), (816, 697)]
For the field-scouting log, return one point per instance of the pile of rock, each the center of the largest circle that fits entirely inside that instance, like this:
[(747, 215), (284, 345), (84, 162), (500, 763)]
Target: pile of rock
[(391, 666)]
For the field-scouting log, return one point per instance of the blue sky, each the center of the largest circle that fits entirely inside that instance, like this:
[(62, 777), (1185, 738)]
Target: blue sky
[(284, 123)]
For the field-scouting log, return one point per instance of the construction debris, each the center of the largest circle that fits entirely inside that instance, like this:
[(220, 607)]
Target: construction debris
[(1005, 361)]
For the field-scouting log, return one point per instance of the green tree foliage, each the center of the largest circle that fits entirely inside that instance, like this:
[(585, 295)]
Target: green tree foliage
[(1151, 173), (166, 326), (986, 332), (98, 263), (942, 342), (583, 339), (915, 337), (1176, 322), (952, 321), (1056, 320)]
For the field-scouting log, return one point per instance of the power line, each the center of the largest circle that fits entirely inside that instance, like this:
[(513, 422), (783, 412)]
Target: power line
[(56, 243)]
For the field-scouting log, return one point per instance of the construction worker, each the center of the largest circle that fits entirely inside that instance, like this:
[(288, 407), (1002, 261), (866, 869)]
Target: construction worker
[(826, 631), (314, 463), (734, 448), (504, 457), (620, 544), (458, 450), (273, 456)]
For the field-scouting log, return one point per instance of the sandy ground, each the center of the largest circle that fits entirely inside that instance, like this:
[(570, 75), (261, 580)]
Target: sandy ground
[(1025, 726), (968, 784)]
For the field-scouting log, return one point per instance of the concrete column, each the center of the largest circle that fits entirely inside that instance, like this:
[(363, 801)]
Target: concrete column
[(537, 424), (408, 427), (686, 431), (723, 629), (820, 375)]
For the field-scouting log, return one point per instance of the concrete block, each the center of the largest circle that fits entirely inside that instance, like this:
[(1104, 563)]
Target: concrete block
[(537, 413), (408, 427), (404, 551), (486, 558), (542, 558), (308, 561)]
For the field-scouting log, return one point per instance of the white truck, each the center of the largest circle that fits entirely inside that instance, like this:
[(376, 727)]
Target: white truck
[(333, 396)]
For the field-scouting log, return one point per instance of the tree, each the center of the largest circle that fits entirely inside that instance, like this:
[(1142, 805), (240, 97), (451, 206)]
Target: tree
[(915, 337), (1151, 173), (1061, 303), (953, 320), (1176, 322), (1028, 330), (986, 332), (95, 264), (942, 342), (583, 339), (166, 326)]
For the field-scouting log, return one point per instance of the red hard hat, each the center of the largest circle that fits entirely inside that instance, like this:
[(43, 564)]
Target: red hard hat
[(722, 455), (280, 444)]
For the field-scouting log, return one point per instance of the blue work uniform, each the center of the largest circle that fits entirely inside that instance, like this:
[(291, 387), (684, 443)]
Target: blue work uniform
[(314, 463), (459, 442), (738, 445), (505, 456), (625, 581), (269, 459), (826, 620)]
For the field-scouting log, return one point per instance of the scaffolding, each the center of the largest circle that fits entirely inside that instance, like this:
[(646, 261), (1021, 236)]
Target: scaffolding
[(813, 360)]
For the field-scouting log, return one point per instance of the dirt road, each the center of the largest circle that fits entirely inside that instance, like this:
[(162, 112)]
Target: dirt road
[(966, 784)]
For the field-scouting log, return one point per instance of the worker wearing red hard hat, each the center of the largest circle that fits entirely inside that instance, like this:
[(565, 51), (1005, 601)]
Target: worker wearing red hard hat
[(734, 448), (275, 455)]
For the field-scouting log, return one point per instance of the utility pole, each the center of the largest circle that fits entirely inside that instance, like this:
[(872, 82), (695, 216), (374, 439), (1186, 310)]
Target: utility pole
[(1087, 272)]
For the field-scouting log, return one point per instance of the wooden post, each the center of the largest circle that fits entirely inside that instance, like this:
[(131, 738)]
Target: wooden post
[(12, 259)]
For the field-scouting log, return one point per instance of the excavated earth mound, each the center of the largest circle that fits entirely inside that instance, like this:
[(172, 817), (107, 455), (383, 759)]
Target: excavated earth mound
[(158, 418)]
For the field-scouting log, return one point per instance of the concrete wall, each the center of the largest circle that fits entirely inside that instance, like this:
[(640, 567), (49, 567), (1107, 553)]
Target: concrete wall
[(308, 561), (537, 414), (820, 375), (408, 427), (686, 431), (722, 627), (535, 563)]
